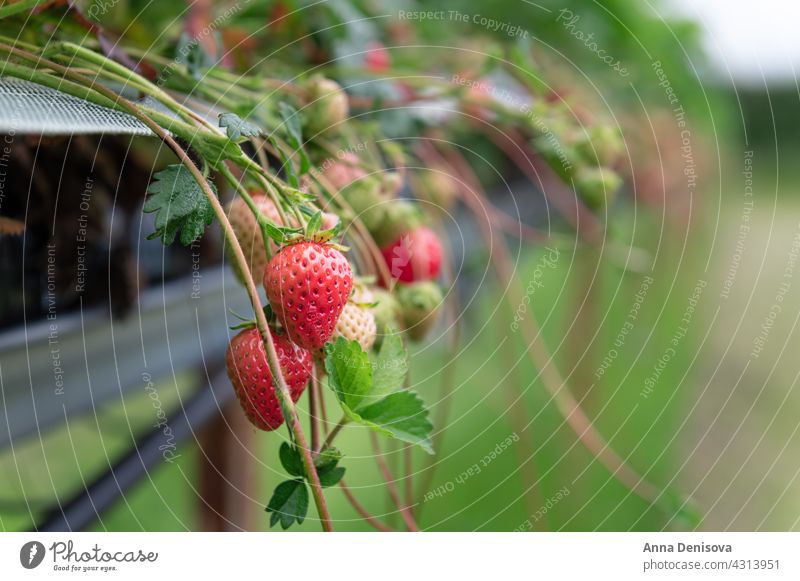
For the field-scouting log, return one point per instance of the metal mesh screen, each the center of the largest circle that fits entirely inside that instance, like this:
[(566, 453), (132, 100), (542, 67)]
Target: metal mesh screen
[(26, 107)]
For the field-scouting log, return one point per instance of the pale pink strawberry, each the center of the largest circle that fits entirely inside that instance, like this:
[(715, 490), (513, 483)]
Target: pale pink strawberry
[(357, 321), (248, 233)]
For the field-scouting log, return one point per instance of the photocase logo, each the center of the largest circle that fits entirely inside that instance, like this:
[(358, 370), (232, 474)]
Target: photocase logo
[(31, 554)]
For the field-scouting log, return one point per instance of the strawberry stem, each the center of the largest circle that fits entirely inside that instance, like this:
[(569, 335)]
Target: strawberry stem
[(333, 433)]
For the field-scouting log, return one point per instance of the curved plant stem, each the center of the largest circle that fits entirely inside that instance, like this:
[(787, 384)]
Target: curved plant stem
[(567, 405), (445, 398), (248, 199), (334, 432), (312, 410), (361, 510), (9, 9), (408, 468), (405, 511), (532, 498), (351, 498)]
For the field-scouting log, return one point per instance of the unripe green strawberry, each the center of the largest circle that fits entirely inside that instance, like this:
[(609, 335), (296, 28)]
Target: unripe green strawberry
[(596, 186), (368, 204), (603, 145), (399, 217), (419, 303), (357, 322), (386, 310), (328, 106), (248, 233), (439, 188)]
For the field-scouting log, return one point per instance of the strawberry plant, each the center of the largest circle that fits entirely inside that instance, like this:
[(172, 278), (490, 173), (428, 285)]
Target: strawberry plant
[(327, 216)]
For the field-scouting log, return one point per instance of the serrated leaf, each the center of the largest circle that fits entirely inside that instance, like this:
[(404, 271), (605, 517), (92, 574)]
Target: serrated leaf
[(179, 204), (389, 367), (289, 503), (237, 128), (401, 415), (290, 460), (349, 372), (331, 477)]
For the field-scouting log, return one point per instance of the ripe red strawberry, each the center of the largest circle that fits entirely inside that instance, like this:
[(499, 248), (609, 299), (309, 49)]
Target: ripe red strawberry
[(414, 256), (377, 58), (250, 375), (307, 285), (249, 234)]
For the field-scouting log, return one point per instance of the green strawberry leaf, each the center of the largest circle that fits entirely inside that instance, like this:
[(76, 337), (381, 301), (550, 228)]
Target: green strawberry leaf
[(401, 415), (179, 204), (290, 460), (289, 503), (237, 128), (349, 372), (331, 477), (389, 366), (378, 405)]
